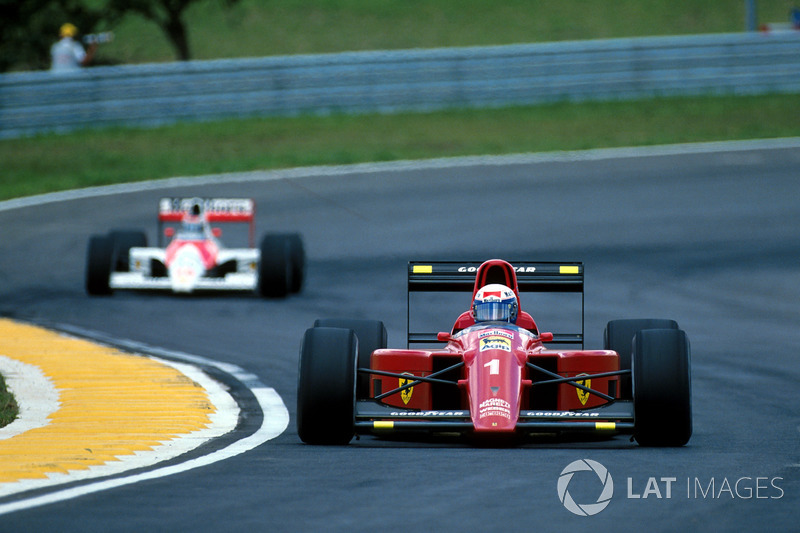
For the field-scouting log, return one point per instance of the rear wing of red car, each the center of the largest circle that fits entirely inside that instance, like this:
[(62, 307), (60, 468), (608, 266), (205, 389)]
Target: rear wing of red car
[(459, 276), (215, 210)]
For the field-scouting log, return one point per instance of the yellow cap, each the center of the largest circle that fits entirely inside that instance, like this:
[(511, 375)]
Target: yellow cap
[(68, 30)]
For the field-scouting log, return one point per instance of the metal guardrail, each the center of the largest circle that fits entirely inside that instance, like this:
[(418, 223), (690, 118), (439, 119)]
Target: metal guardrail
[(390, 81)]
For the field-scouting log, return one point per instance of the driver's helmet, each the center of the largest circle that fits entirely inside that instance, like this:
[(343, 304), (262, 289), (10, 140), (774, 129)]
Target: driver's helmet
[(495, 302), (193, 219)]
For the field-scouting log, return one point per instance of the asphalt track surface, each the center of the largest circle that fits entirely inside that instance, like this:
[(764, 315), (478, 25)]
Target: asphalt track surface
[(707, 235)]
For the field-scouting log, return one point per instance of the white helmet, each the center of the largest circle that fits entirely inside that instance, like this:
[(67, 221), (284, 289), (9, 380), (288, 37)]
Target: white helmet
[(495, 302)]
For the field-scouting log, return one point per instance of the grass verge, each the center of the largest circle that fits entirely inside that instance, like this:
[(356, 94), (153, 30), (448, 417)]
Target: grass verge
[(253, 28), (100, 157), (8, 405)]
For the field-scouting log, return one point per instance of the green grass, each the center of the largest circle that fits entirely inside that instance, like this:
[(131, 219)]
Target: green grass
[(8, 405), (254, 28), (87, 158)]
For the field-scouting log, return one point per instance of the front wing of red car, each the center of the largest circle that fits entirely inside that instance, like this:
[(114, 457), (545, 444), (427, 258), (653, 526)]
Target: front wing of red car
[(373, 418)]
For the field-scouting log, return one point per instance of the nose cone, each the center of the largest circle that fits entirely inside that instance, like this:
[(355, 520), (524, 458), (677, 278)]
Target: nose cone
[(495, 390), (186, 269)]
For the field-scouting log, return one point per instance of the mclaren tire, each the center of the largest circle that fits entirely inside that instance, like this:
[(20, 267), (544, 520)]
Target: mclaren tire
[(123, 241), (99, 262), (275, 266), (298, 257)]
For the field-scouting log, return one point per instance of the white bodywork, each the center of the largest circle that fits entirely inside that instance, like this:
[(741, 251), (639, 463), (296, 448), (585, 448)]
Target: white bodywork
[(186, 273)]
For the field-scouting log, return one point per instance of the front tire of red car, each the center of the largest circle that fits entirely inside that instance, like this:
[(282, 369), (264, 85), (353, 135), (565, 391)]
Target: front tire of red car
[(662, 387), (326, 386)]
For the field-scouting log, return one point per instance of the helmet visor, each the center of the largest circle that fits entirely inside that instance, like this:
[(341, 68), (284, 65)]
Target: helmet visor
[(492, 311)]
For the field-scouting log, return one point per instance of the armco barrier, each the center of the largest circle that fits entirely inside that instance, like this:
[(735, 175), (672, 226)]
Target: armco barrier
[(388, 81)]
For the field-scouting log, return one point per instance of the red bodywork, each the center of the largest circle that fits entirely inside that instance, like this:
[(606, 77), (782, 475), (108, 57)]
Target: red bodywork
[(207, 248), (497, 382)]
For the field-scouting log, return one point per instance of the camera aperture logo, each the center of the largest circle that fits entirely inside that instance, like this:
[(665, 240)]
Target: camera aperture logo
[(585, 509)]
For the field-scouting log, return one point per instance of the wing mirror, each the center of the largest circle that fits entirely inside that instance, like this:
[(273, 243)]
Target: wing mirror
[(216, 232), (546, 337), (443, 336), (169, 232)]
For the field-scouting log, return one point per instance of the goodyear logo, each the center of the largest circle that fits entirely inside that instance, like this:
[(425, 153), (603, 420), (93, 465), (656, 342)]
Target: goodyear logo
[(495, 342)]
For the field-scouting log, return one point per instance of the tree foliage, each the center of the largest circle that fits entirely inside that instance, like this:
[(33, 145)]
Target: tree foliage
[(28, 29), (168, 15)]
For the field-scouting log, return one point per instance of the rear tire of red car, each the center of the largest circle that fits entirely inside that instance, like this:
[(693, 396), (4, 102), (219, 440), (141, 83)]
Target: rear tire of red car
[(275, 266), (618, 336), (662, 388), (326, 386), (99, 259), (371, 336), (123, 241)]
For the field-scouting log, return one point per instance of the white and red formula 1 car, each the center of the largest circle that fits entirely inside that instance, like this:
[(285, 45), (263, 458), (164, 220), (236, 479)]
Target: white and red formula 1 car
[(194, 259)]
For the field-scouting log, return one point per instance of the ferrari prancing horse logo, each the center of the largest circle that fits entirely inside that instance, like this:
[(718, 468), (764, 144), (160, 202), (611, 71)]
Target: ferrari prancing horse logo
[(583, 395), (405, 394)]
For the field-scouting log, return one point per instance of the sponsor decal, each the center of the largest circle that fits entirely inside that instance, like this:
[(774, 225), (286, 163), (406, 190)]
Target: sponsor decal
[(583, 395), (559, 414), (217, 206), (496, 333), (406, 393), (522, 270), (429, 414), (495, 342), (494, 407)]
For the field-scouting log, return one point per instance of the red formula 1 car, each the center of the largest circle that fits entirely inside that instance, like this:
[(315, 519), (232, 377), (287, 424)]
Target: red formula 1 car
[(492, 377), (195, 259)]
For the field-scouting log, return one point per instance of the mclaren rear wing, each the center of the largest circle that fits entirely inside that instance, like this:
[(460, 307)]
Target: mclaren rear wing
[(216, 210), (459, 276)]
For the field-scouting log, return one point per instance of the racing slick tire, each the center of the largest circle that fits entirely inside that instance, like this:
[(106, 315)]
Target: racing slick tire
[(371, 336), (298, 257), (326, 386), (662, 387), (99, 259), (123, 241), (275, 266), (618, 336)]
